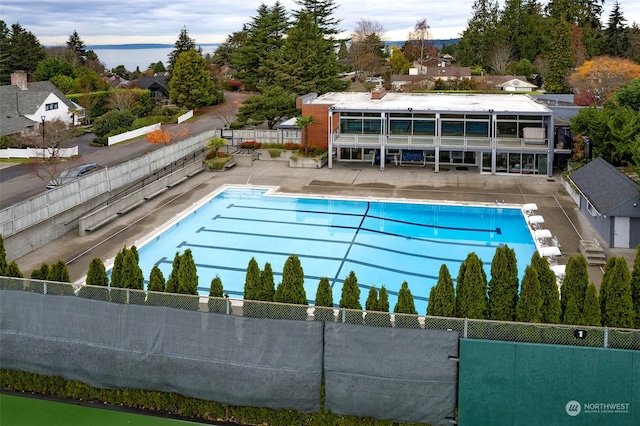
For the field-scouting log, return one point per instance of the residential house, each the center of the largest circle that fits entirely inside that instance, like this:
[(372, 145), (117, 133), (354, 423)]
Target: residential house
[(506, 83), (25, 106), (156, 84)]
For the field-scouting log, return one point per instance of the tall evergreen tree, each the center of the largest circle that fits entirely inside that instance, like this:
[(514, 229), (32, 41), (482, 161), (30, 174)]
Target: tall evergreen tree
[(616, 34), (324, 301), (371, 304), (442, 298), (585, 15), (591, 312), (215, 291), (530, 303), (572, 315), (132, 275), (77, 48), (561, 60), (306, 62), (322, 12), (635, 286), (172, 281), (550, 313), (405, 304), (21, 50), (575, 283), (116, 270), (267, 285), (471, 293), (292, 290), (252, 281), (156, 280), (263, 38), (616, 302), (190, 85), (3, 256), (383, 300), (184, 43), (97, 274), (187, 274), (503, 286), (478, 38), (350, 298)]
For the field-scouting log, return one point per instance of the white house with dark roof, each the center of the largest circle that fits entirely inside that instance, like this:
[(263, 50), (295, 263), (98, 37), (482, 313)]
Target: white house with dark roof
[(610, 200), (24, 106)]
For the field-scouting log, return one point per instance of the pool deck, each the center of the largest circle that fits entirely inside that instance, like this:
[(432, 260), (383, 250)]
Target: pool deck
[(561, 215)]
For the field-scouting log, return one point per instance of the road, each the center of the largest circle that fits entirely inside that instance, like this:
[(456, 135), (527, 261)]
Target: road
[(19, 182)]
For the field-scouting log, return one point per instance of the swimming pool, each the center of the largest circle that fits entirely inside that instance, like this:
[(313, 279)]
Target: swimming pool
[(385, 242)]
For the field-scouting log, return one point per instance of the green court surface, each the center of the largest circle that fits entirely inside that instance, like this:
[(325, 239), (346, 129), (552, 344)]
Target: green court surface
[(24, 411)]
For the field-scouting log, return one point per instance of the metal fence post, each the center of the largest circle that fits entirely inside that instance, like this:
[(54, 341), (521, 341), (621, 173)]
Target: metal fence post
[(228, 306), (343, 316), (45, 288), (466, 327), (606, 337)]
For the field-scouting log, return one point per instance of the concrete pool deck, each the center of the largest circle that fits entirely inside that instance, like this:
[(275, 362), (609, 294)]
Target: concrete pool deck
[(560, 213)]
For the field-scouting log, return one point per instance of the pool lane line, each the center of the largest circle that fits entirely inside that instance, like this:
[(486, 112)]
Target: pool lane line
[(497, 230), (355, 235)]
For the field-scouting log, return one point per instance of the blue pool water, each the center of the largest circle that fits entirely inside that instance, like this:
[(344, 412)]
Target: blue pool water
[(384, 243)]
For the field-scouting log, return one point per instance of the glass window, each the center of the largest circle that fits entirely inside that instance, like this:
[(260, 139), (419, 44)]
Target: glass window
[(477, 129), (400, 127), (424, 127), (445, 156), (351, 125), (49, 107), (486, 161), (502, 164), (372, 127), (507, 129), (420, 115), (452, 128)]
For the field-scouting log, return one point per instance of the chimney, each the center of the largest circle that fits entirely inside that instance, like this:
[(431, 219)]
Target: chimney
[(378, 93), (19, 78)]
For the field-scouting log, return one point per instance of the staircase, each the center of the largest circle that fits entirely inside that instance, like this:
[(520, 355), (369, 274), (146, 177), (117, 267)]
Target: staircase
[(592, 251)]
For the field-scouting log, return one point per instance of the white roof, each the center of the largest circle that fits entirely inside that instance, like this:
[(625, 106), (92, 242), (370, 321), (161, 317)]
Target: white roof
[(435, 102)]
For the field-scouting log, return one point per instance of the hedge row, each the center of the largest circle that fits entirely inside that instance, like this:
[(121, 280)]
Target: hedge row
[(174, 404)]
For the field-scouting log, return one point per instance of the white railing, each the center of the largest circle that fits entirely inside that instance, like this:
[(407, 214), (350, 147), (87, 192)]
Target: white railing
[(184, 117), (133, 134)]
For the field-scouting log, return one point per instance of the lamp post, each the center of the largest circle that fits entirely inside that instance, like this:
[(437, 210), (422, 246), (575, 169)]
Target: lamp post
[(43, 117)]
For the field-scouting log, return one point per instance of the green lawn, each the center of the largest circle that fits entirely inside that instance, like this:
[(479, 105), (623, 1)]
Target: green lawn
[(24, 411)]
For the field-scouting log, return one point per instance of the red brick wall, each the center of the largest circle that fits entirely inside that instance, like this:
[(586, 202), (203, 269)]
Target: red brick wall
[(318, 131)]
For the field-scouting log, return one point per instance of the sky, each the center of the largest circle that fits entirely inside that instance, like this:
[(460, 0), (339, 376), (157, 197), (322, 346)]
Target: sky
[(145, 21)]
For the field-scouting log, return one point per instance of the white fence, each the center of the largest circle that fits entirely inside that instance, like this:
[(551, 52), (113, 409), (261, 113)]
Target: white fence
[(28, 213), (133, 134), (236, 137), (38, 153), (184, 117)]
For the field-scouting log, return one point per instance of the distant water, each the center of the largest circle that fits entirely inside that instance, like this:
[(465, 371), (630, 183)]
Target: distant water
[(138, 55)]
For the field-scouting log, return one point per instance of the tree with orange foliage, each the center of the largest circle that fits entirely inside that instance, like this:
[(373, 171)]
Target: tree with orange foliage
[(159, 136), (603, 75)]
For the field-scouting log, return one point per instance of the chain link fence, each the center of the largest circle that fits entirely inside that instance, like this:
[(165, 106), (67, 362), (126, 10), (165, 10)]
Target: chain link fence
[(556, 334)]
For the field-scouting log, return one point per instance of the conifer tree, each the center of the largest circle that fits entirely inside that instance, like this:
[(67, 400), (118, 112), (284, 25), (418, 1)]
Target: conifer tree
[(575, 283), (530, 303), (59, 272), (40, 273), (471, 293), (252, 281), (187, 274), (616, 303), (371, 304), (156, 280), (635, 287), (97, 274), (572, 314), (172, 281), (267, 288), (591, 312), (116, 270), (383, 300), (293, 283), (350, 298), (3, 257), (442, 298), (184, 43), (132, 277), (12, 270), (550, 313), (324, 301), (380, 318), (405, 305), (218, 306), (503, 286)]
